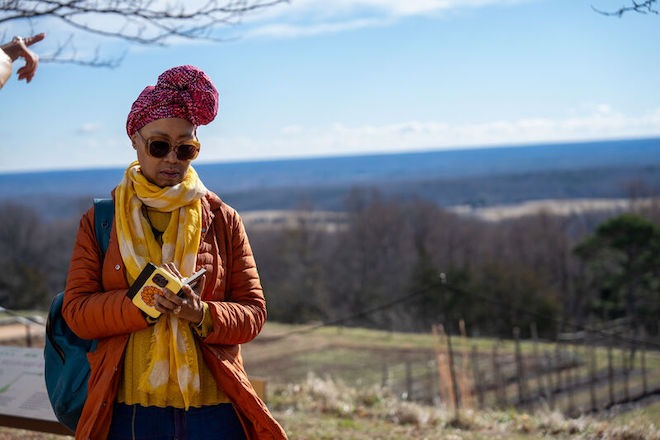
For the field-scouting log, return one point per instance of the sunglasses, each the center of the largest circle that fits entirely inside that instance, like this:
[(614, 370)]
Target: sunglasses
[(159, 148)]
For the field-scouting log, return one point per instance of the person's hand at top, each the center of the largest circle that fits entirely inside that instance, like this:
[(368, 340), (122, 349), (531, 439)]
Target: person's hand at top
[(18, 48)]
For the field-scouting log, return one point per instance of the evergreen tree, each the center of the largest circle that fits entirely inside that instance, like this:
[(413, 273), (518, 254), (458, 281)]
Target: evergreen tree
[(622, 259)]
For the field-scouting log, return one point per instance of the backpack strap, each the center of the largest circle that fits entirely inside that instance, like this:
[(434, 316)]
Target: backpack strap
[(66, 367), (104, 212)]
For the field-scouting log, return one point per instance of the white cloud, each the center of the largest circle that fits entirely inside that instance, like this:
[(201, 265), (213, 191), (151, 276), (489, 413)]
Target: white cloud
[(322, 9), (284, 30), (291, 130), (294, 19), (301, 18), (296, 140), (339, 138), (89, 128)]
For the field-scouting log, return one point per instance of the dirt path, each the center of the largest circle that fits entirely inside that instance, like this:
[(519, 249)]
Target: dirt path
[(21, 334)]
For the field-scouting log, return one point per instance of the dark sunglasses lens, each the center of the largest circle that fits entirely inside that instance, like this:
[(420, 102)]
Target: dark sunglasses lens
[(159, 148), (186, 152)]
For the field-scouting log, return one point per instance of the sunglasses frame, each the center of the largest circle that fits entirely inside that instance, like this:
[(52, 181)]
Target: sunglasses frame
[(175, 147)]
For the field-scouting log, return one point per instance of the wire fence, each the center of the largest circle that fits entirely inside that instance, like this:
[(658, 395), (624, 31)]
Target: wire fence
[(577, 374), (587, 371)]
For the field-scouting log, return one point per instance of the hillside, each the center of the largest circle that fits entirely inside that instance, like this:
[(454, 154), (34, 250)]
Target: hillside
[(475, 178)]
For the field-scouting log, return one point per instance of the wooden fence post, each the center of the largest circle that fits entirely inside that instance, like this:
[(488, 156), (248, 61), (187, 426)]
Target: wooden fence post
[(520, 371), (627, 362), (409, 380), (536, 364), (592, 372), (559, 386), (500, 385), (386, 375), (642, 334), (452, 373), (28, 335), (610, 369), (444, 376), (550, 387), (465, 390), (570, 378), (476, 372), (431, 378)]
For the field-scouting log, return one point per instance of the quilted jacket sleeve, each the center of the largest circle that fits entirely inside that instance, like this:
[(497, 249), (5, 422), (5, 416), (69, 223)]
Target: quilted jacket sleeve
[(5, 67), (90, 311), (241, 315)]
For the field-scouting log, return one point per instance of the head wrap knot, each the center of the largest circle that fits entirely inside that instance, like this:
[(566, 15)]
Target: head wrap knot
[(183, 92)]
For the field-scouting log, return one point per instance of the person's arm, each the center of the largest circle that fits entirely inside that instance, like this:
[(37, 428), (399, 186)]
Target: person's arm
[(5, 67), (90, 311), (239, 318), (18, 47)]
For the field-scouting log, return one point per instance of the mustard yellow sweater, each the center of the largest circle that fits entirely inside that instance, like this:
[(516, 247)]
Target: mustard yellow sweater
[(136, 359)]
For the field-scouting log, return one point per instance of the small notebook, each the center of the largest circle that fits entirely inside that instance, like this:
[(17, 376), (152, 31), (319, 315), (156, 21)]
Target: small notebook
[(150, 283)]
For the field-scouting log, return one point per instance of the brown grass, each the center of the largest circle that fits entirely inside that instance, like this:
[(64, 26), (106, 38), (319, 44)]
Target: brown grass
[(323, 406)]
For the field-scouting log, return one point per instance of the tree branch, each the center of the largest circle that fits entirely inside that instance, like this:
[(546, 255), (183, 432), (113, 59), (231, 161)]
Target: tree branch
[(641, 7), (146, 22), (59, 56)]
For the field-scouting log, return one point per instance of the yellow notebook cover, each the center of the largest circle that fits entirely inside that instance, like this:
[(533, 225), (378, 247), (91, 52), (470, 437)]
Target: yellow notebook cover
[(150, 283)]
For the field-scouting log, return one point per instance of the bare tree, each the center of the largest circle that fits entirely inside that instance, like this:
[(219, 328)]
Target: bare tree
[(34, 255), (642, 7), (147, 22)]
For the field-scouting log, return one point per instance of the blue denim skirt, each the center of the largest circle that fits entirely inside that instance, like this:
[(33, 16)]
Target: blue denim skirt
[(153, 423)]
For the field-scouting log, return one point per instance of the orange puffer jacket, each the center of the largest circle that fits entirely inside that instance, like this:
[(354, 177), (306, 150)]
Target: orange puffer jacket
[(96, 307)]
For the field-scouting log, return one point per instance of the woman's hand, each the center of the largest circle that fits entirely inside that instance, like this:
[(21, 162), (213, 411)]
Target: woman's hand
[(190, 307), (18, 47)]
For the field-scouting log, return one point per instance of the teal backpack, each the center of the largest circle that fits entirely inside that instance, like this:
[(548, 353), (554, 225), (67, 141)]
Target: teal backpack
[(65, 354)]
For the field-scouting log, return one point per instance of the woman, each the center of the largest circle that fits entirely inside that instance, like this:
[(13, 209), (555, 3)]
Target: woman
[(179, 375)]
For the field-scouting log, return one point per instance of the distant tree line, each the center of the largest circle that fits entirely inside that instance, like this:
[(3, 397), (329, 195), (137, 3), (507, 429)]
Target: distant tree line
[(405, 265), (34, 255)]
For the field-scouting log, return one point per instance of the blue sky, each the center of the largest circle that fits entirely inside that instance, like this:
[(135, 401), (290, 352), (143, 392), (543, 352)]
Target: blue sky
[(318, 78)]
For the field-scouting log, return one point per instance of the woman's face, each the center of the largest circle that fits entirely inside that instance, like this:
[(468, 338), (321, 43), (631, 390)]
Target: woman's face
[(167, 170)]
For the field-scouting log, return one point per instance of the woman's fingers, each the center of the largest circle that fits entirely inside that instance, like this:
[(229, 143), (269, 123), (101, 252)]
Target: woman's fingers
[(32, 39)]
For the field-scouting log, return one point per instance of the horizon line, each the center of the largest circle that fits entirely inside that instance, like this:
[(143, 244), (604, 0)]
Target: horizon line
[(357, 154)]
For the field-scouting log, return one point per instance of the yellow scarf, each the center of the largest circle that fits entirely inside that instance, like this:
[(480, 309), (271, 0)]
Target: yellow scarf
[(172, 352)]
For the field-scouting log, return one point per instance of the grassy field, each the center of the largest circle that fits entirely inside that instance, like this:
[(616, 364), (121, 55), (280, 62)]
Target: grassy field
[(326, 383), (323, 409), (285, 354)]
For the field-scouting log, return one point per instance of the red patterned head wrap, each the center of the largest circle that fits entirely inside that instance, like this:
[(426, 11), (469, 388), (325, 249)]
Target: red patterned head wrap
[(183, 92)]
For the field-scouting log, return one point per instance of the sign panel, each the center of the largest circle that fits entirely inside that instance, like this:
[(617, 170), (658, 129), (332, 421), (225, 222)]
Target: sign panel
[(22, 384)]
